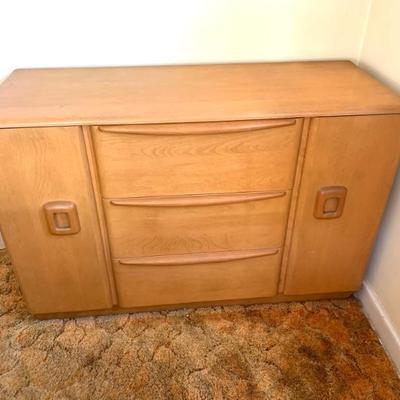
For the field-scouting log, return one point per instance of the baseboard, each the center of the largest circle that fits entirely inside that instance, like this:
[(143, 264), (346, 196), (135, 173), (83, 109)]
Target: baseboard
[(381, 322)]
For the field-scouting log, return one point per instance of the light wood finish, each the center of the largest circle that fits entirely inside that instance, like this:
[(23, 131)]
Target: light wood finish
[(56, 273), (330, 202), (205, 128), (258, 300), (193, 185), (160, 285), (362, 154), (62, 217), (293, 203), (91, 160), (199, 258), (194, 200), (137, 230), (141, 95), (143, 165)]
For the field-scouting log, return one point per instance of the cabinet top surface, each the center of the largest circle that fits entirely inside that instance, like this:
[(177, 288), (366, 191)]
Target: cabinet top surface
[(191, 93)]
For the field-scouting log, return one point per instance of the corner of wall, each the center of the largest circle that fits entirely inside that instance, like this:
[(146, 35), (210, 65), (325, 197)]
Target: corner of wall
[(378, 295), (364, 32), (381, 322)]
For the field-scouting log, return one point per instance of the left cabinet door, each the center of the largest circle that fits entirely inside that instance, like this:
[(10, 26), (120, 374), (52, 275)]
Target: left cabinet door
[(58, 255)]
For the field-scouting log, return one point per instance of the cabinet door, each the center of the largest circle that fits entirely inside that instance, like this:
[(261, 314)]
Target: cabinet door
[(60, 271), (350, 162)]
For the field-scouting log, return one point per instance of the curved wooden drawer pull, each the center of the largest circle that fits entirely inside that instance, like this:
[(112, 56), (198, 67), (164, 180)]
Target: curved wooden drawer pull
[(199, 128), (199, 258), (196, 199)]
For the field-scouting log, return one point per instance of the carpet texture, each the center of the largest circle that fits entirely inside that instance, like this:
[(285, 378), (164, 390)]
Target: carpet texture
[(313, 350)]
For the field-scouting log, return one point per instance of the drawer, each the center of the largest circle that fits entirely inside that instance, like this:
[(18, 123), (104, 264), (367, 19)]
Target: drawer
[(198, 223), (162, 280), (174, 159)]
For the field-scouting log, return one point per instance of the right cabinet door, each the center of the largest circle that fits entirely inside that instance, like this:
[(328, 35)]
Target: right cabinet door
[(348, 171)]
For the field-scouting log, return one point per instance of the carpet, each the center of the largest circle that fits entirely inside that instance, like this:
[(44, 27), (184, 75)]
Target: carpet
[(296, 351)]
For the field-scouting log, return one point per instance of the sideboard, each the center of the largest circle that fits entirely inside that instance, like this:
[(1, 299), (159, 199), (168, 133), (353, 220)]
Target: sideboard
[(139, 188)]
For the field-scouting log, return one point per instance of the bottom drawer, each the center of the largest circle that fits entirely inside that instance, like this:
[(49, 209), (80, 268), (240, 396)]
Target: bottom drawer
[(192, 278)]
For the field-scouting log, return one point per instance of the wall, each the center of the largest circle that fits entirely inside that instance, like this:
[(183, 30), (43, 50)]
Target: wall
[(380, 54), (46, 33)]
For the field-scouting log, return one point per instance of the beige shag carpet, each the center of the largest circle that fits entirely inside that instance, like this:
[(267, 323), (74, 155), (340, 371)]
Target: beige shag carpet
[(313, 350)]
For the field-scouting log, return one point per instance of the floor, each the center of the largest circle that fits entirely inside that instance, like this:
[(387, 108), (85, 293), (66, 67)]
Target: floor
[(313, 350)]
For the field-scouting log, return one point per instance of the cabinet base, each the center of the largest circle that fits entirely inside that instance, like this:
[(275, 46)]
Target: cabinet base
[(263, 300)]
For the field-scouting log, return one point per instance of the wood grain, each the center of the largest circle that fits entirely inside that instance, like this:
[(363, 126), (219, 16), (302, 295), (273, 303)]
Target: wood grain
[(94, 178), (141, 95), (199, 258), (362, 154), (136, 165), (199, 178), (195, 200), (144, 231), (205, 128), (56, 273), (162, 285), (293, 203)]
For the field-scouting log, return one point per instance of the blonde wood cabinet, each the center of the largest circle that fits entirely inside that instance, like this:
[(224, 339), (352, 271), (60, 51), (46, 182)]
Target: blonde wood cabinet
[(157, 187)]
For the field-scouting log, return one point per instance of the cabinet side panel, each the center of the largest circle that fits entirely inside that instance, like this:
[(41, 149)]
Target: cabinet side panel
[(57, 273), (361, 154)]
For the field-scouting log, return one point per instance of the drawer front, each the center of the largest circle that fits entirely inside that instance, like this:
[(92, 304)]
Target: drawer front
[(198, 223), (197, 278), (174, 159)]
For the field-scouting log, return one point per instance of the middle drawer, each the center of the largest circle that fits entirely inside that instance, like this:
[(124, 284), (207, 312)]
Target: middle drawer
[(147, 226)]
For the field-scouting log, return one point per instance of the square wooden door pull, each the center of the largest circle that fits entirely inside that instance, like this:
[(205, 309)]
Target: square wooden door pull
[(330, 202), (62, 217)]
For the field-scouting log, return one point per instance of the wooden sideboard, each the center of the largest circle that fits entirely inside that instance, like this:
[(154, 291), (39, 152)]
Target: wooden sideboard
[(157, 187)]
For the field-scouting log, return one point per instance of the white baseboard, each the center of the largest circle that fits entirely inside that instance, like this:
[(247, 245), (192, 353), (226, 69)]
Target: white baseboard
[(381, 322)]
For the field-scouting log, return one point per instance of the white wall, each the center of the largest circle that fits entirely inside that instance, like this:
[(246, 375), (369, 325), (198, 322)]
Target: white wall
[(44, 33), (380, 54)]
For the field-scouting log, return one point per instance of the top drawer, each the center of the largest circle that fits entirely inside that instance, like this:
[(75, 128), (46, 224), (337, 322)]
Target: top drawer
[(212, 157)]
